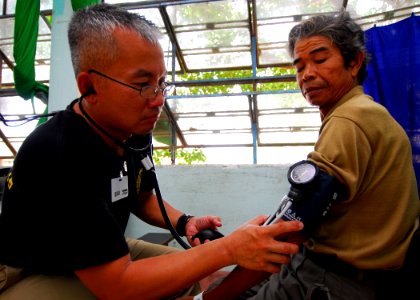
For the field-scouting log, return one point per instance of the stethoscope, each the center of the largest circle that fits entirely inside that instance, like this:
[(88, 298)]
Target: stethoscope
[(148, 164), (145, 157), (143, 152)]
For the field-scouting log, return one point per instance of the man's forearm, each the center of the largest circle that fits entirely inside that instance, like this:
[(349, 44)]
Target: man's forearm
[(149, 211)]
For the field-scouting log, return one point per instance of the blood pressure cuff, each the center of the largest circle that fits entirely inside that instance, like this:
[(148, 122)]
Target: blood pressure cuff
[(314, 201)]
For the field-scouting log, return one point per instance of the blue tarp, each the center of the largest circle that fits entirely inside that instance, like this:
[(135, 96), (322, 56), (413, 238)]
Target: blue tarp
[(394, 75)]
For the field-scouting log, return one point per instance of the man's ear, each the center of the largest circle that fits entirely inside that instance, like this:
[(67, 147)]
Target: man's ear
[(85, 84), (356, 64)]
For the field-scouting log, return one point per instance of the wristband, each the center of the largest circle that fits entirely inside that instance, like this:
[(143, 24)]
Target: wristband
[(199, 296), (182, 222)]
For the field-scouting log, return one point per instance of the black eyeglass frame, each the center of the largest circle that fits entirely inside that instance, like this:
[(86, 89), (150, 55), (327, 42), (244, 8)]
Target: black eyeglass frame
[(168, 87)]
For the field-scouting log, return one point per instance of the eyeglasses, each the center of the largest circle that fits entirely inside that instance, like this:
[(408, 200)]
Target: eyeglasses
[(148, 91)]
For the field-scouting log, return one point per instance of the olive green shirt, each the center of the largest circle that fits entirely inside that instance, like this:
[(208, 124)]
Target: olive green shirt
[(364, 147)]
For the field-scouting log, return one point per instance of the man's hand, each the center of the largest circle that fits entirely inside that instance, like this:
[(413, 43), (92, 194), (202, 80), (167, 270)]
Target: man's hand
[(255, 247), (197, 224), (270, 253)]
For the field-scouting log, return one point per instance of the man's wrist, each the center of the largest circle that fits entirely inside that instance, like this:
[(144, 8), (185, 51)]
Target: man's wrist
[(182, 222)]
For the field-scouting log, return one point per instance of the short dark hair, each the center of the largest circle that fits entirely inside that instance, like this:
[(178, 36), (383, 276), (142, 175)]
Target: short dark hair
[(90, 34), (341, 29)]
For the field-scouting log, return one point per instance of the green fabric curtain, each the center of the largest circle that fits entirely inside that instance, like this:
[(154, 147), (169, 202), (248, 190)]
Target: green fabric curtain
[(24, 49), (78, 4)]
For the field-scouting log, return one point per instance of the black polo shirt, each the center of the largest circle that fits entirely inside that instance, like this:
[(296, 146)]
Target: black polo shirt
[(58, 212)]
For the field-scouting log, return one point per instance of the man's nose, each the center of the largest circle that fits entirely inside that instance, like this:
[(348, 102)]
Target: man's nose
[(158, 100), (308, 72)]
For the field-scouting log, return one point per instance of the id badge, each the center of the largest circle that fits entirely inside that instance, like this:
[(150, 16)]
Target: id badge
[(119, 188)]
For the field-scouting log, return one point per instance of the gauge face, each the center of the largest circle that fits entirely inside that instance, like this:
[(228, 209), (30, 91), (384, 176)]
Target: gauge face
[(302, 173)]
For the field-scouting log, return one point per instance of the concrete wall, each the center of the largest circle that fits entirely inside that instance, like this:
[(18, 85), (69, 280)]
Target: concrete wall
[(235, 193)]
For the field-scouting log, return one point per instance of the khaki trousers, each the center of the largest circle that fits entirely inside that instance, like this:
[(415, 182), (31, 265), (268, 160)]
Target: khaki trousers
[(41, 287)]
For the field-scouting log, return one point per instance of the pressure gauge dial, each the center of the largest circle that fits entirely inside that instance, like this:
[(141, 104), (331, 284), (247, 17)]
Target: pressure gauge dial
[(302, 172)]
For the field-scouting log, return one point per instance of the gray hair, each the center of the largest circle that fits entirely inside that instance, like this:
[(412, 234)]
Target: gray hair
[(344, 32), (91, 39)]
